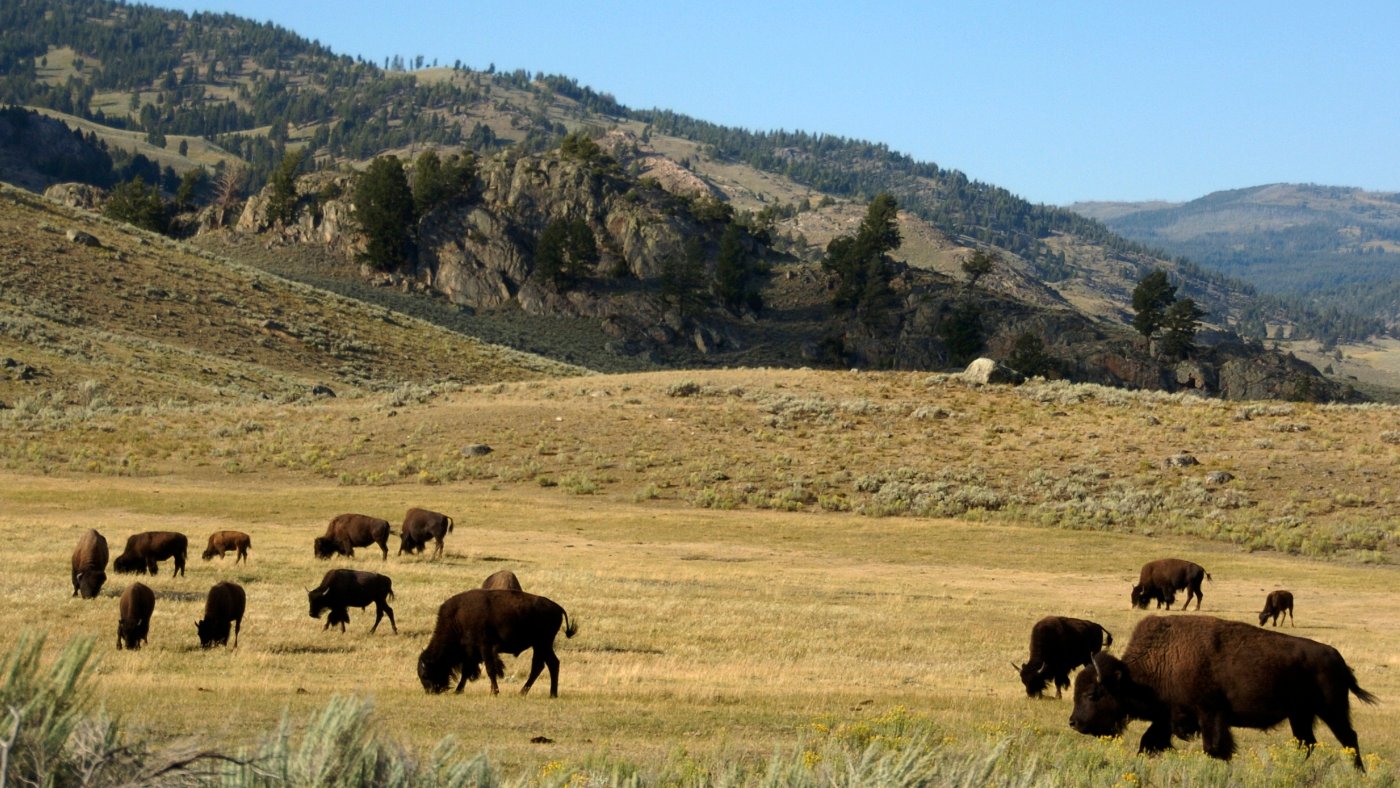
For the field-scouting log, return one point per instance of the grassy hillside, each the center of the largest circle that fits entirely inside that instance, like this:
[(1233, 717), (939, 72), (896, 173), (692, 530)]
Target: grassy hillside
[(141, 320), (763, 563)]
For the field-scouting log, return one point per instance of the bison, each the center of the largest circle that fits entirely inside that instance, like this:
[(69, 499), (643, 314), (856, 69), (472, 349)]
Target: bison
[(89, 564), (1161, 579), (477, 626), (145, 551), (136, 605), (504, 580), (221, 542), (345, 588), (1277, 604), (1059, 645), (420, 525), (223, 606), (1190, 674), (348, 531)]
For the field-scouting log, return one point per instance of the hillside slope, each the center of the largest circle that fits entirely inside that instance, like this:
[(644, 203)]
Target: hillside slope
[(131, 318), (1336, 247)]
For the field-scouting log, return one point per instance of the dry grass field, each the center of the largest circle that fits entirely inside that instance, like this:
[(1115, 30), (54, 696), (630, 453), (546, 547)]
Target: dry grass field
[(760, 561)]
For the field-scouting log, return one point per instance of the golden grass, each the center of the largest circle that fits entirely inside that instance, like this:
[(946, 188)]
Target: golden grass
[(714, 632)]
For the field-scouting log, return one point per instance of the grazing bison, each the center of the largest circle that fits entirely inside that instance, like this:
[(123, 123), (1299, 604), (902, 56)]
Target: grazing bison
[(504, 580), (221, 542), (1059, 645), (1161, 579), (1190, 674), (348, 531), (89, 564), (1277, 604), (475, 627), (137, 603), (420, 525), (145, 551), (344, 588), (224, 606)]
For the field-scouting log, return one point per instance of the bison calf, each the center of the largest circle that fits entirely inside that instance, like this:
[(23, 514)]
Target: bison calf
[(1059, 645), (145, 551), (504, 580), (348, 531), (137, 604), (220, 542), (420, 525), (1198, 674), (89, 564), (224, 606), (1161, 579), (475, 627), (345, 588), (1277, 604)]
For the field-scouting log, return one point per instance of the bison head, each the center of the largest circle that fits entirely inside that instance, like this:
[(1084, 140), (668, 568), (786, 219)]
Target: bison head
[(209, 553), (1099, 708), (325, 547), (1031, 676), (212, 633), (90, 582), (1139, 597), (129, 564), (129, 632), (317, 599), (435, 674)]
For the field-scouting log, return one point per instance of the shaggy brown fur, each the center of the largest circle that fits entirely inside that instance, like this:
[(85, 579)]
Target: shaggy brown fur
[(504, 580), (348, 531), (345, 588), (145, 551), (1161, 579), (224, 606), (475, 627), (221, 542), (137, 604), (89, 564), (420, 525), (1059, 645), (1198, 674), (1277, 604)]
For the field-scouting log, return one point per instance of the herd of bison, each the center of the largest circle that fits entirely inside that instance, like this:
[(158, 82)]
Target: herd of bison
[(1186, 675)]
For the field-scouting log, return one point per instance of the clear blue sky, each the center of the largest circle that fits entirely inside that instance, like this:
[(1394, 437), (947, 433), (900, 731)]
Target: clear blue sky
[(1055, 101)]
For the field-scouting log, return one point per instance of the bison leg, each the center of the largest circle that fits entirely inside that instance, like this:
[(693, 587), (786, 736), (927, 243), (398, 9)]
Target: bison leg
[(1339, 721), (1156, 738), (380, 608), (495, 669), (1217, 739), (537, 657), (237, 625), (1302, 726), (437, 551), (384, 546)]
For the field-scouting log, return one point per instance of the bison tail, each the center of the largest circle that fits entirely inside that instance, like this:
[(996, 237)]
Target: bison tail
[(449, 524), (1107, 638), (1361, 694), (570, 626), (1208, 577)]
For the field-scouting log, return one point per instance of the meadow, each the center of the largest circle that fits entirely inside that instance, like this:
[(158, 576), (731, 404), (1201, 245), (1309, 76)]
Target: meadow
[(780, 577)]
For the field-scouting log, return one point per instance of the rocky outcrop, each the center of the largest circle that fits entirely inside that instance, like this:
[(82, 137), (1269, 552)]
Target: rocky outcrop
[(324, 215)]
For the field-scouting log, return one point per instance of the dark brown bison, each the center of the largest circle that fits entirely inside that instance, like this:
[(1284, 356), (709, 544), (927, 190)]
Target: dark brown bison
[(224, 606), (137, 604), (348, 531), (221, 542), (475, 627), (504, 580), (1161, 579), (420, 525), (89, 564), (1059, 645), (145, 551), (345, 588), (1277, 604), (1198, 674)]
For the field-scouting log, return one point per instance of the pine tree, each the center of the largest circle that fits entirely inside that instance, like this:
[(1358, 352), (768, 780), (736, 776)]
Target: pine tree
[(1179, 325), (861, 263), (282, 199), (1153, 294), (384, 209)]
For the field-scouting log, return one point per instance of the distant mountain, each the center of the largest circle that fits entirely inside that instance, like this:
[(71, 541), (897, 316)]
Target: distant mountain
[(1337, 248), (164, 93)]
